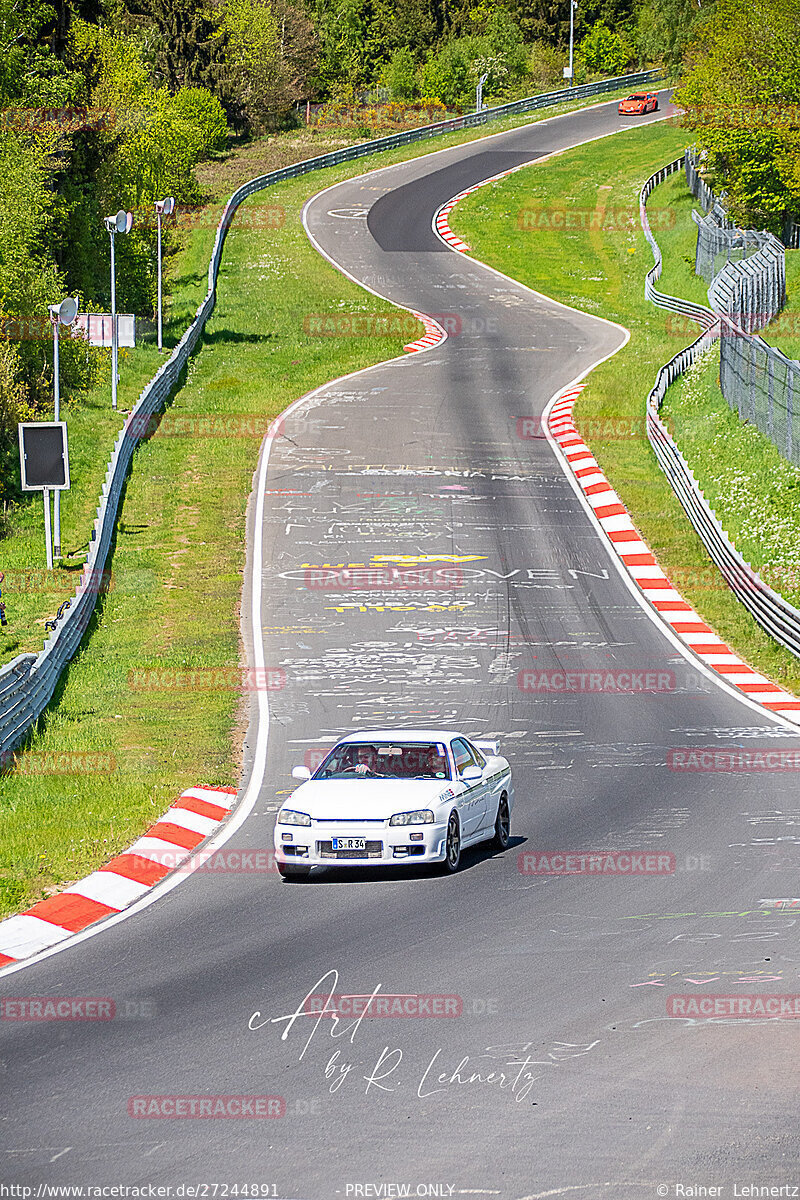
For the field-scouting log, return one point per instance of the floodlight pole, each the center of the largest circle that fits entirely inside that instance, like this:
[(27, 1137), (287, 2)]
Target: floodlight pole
[(573, 4), (121, 223), (158, 217), (60, 314), (114, 348), (163, 208), (479, 93)]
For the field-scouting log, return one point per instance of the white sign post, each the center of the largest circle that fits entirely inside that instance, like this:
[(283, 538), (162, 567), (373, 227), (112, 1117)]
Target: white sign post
[(44, 465), (60, 314)]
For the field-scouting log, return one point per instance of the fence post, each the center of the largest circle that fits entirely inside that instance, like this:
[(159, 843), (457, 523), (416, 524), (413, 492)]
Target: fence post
[(789, 411)]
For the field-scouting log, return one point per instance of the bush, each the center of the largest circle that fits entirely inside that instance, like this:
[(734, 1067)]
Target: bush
[(605, 51), (13, 408), (447, 75), (202, 110), (499, 53), (400, 75), (545, 68)]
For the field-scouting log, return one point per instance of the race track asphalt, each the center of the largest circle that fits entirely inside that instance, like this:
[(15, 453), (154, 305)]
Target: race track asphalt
[(563, 1073)]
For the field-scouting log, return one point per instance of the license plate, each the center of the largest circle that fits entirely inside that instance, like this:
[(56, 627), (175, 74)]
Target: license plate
[(349, 843)]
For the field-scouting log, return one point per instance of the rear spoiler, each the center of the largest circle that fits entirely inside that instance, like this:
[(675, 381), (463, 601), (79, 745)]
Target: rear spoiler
[(492, 748)]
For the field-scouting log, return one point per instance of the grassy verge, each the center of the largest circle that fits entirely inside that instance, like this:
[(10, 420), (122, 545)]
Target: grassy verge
[(179, 554), (601, 270), (751, 487), (32, 594)]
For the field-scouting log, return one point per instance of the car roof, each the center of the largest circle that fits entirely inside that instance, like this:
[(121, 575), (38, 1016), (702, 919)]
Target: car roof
[(401, 735)]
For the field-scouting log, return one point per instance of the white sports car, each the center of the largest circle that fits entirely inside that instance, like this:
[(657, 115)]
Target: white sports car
[(396, 796)]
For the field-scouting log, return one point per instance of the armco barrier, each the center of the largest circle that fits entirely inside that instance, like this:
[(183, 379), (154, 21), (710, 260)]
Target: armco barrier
[(779, 618), (27, 684)]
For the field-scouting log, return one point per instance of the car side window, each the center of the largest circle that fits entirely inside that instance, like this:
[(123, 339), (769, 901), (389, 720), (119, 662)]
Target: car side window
[(477, 756), (462, 755)]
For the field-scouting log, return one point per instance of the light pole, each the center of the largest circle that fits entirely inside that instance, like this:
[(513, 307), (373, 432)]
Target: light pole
[(163, 208), (573, 4), (60, 314), (121, 223), (479, 93)]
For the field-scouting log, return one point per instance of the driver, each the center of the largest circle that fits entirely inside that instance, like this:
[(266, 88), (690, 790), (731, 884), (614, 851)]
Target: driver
[(365, 760)]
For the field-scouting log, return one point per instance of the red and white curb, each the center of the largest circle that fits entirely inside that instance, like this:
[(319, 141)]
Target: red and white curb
[(198, 812), (441, 223), (648, 575), (434, 335)]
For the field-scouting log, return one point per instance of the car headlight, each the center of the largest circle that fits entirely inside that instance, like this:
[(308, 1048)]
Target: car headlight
[(287, 816), (420, 816)]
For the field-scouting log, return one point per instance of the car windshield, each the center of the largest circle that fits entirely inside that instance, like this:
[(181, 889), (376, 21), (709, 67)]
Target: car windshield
[(638, 96), (386, 760)]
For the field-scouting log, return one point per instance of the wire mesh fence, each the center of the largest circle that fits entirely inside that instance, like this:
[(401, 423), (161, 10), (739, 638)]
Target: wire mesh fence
[(720, 242), (756, 379), (763, 386), (746, 270), (697, 185), (752, 292)]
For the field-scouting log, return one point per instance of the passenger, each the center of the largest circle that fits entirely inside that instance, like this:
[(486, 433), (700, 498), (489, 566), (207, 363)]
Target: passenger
[(435, 766)]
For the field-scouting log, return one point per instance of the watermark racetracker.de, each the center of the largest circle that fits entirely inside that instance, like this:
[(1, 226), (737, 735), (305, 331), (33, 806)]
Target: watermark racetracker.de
[(208, 679), (627, 681)]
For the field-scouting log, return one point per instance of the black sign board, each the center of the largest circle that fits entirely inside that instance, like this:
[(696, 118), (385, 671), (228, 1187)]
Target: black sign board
[(43, 456)]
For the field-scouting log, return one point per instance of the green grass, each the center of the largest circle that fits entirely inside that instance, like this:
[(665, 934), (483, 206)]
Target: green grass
[(754, 491), (784, 331), (602, 272), (179, 554), (31, 593)]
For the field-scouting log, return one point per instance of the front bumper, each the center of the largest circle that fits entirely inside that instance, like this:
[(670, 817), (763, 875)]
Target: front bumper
[(386, 845)]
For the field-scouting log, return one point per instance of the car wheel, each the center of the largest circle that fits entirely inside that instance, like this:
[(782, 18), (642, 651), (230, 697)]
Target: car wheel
[(452, 845), (656, 107), (291, 871), (502, 826)]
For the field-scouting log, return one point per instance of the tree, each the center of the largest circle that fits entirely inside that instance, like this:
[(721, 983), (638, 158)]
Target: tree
[(741, 93), (548, 20), (446, 75), (400, 75), (605, 50), (266, 52), (401, 24), (31, 31), (343, 30), (665, 29), (187, 49)]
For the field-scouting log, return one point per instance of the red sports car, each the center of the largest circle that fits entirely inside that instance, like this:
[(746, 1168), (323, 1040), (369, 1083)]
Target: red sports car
[(638, 103)]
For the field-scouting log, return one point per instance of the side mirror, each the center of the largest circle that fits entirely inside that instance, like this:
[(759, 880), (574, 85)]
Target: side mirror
[(301, 773), (471, 774)]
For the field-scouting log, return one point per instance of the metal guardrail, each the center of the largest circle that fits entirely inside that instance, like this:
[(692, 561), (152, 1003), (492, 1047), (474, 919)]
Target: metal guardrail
[(696, 312), (28, 682), (774, 614)]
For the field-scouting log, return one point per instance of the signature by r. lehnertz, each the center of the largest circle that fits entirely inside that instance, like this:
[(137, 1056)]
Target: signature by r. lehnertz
[(510, 1069)]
